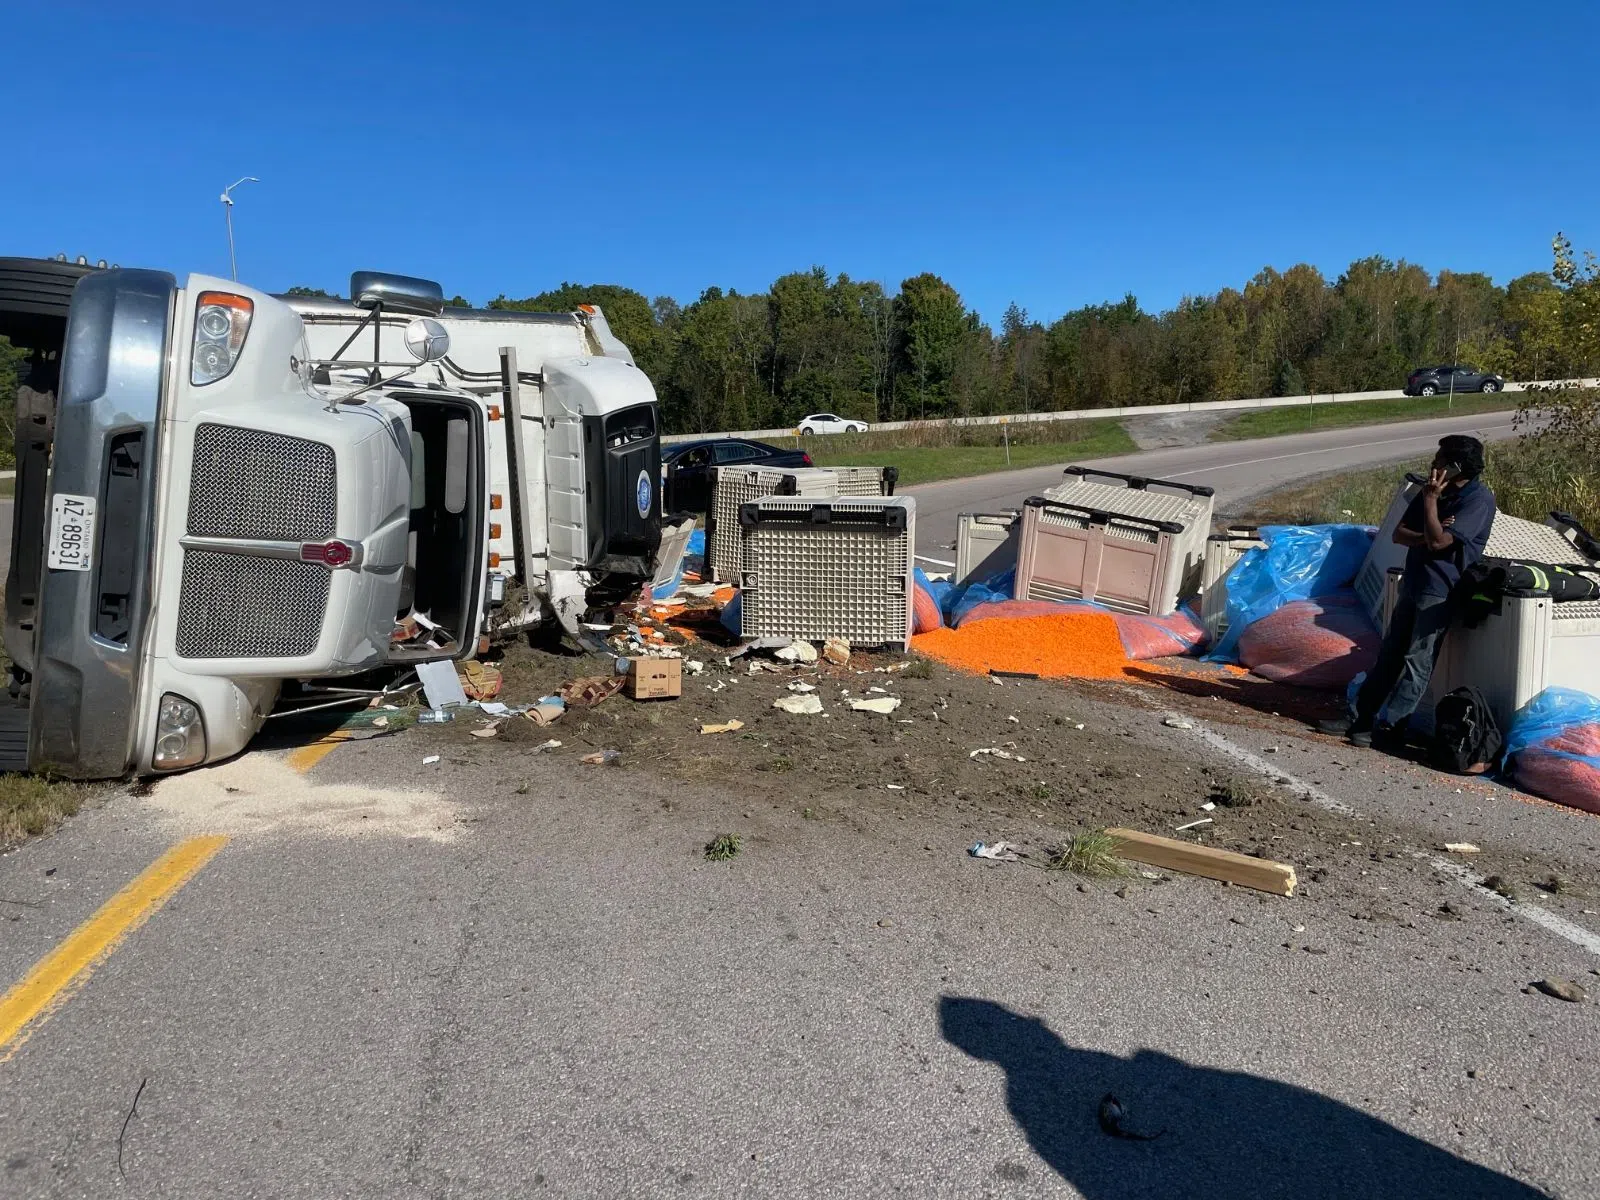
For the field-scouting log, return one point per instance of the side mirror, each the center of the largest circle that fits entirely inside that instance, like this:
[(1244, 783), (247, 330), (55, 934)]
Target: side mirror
[(427, 340)]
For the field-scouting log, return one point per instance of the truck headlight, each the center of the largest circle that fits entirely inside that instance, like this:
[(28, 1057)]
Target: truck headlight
[(180, 735), (221, 321)]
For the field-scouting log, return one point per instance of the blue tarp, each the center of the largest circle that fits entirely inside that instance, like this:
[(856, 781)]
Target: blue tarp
[(1297, 563)]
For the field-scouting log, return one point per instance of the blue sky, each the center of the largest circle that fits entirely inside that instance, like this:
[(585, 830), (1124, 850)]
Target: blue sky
[(1053, 154)]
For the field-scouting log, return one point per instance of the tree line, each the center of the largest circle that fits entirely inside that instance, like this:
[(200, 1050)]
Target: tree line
[(815, 342)]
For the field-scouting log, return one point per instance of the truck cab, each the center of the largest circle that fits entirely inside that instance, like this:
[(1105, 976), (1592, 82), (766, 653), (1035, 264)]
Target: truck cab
[(217, 506)]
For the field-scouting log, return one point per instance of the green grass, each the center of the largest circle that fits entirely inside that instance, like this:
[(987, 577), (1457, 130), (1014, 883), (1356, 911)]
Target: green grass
[(1529, 480), (8, 488), (723, 847), (1093, 852), (1270, 422), (30, 806), (951, 452)]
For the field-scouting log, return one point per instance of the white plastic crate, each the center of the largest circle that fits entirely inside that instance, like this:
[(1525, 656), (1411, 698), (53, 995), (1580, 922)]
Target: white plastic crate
[(815, 569), (1509, 537), (986, 544), (866, 481), (1071, 552), (735, 486), (1223, 552), (1149, 499)]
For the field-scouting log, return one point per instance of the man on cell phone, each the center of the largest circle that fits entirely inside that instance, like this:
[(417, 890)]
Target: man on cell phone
[(1445, 530)]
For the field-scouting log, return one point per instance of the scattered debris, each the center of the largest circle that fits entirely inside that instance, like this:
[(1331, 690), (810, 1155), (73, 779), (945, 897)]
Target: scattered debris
[(880, 704), (543, 747), (996, 752), (995, 851), (546, 710), (602, 758), (480, 681), (590, 690), (430, 760), (895, 787), (1112, 1114), (836, 651), (1461, 848), (1561, 989), (1178, 723), (1170, 854), (1209, 806), (726, 727), (723, 847), (1193, 824), (693, 667), (807, 705), (488, 731), (797, 652), (799, 685), (441, 685)]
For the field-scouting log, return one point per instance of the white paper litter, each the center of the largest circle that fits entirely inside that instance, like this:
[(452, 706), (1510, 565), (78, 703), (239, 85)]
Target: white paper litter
[(431, 759), (800, 685), (995, 851), (807, 705), (996, 752), (494, 708), (879, 704)]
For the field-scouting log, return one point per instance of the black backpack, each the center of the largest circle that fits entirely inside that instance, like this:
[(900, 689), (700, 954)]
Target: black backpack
[(1484, 585), (1465, 734)]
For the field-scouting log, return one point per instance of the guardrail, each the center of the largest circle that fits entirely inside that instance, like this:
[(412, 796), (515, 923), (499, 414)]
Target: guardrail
[(1137, 410)]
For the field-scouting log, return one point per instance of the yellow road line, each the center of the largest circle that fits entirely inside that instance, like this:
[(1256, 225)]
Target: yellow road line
[(306, 757), (59, 974)]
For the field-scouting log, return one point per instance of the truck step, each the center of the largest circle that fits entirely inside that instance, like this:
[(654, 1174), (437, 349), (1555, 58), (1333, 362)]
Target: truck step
[(13, 736)]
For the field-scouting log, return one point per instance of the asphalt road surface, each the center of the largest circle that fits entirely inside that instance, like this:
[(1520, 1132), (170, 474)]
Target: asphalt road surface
[(1236, 470)]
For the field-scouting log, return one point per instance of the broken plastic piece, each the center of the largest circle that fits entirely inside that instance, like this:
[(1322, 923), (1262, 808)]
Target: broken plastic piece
[(807, 705), (995, 852)]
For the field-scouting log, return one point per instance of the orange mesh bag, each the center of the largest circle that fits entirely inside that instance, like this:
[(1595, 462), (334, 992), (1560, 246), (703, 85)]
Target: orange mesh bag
[(1319, 643)]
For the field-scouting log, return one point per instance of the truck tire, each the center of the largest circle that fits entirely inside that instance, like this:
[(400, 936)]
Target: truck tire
[(38, 287)]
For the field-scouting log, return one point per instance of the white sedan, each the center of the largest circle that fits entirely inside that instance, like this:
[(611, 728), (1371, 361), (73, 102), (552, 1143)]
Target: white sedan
[(828, 423)]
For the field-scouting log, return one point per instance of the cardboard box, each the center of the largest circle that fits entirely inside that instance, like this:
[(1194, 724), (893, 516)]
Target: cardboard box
[(655, 678)]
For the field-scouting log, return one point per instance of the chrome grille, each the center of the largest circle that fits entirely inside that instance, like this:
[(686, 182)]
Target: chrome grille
[(237, 606), (248, 483)]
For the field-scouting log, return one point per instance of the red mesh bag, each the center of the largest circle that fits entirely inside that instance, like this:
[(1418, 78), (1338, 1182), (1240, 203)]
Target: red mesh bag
[(1321, 643)]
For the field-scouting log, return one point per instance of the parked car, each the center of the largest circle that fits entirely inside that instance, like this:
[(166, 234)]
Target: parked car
[(828, 423), (1439, 381), (686, 467)]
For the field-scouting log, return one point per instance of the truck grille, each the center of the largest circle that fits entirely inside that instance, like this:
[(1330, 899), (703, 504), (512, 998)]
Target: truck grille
[(251, 484), (237, 606), (248, 483)]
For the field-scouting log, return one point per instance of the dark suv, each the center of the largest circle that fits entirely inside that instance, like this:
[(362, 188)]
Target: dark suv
[(1439, 381)]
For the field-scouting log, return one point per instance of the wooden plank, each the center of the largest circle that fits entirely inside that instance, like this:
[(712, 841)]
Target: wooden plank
[(1262, 874)]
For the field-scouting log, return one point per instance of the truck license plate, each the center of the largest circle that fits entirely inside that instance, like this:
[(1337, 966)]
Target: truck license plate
[(71, 532)]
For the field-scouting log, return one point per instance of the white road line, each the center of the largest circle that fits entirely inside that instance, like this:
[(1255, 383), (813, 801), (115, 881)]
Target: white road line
[(938, 562), (1544, 918)]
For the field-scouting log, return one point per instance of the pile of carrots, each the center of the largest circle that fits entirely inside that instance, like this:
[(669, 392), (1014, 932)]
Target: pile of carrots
[(1070, 645)]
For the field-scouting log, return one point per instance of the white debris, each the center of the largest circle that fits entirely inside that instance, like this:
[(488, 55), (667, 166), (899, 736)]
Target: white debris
[(996, 752), (800, 685), (995, 852), (430, 760), (1461, 848), (1178, 723), (694, 667), (798, 652), (1193, 824), (877, 689), (1208, 806), (808, 705), (880, 704)]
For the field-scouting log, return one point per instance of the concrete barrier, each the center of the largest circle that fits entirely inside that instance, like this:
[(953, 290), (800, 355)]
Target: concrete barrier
[(1093, 414)]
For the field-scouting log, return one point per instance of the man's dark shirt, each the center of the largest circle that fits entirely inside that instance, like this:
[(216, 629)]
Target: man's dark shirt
[(1435, 572)]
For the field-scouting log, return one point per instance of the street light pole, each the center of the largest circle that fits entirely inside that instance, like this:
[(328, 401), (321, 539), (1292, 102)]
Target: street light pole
[(227, 207)]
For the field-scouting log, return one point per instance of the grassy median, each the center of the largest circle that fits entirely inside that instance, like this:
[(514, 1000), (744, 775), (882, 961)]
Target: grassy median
[(1304, 418), (950, 452)]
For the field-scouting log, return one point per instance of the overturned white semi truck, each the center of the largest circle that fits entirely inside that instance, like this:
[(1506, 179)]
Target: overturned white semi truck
[(221, 492)]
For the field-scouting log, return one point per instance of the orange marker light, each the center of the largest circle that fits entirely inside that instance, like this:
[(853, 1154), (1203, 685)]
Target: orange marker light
[(494, 531), (494, 559), (496, 501)]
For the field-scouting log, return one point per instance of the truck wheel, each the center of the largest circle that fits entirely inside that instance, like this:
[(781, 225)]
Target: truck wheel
[(1489, 385), (1427, 389)]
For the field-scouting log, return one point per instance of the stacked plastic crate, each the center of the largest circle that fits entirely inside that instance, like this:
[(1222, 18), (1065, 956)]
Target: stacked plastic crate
[(815, 569), (732, 487)]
